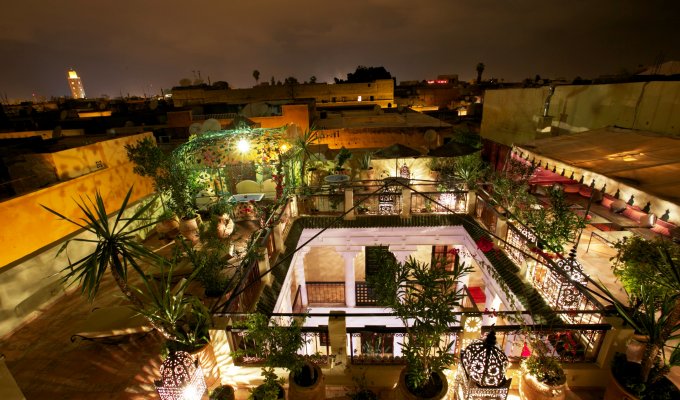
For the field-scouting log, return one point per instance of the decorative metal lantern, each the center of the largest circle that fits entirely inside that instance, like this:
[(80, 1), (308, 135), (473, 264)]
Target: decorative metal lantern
[(405, 172), (482, 374), (181, 378)]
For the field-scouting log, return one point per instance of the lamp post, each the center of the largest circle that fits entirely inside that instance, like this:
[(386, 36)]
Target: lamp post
[(181, 378)]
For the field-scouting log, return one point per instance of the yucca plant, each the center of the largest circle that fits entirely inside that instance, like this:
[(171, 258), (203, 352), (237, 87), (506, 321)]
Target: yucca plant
[(179, 316), (117, 248), (653, 310), (423, 297)]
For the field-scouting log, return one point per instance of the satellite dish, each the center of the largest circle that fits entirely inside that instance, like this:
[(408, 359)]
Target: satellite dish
[(430, 136), (255, 110), (377, 110), (195, 128), (211, 125)]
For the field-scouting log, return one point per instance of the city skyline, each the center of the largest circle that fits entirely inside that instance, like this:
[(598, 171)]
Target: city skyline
[(136, 49)]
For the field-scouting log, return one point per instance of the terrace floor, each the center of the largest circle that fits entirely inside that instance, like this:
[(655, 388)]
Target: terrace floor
[(46, 364)]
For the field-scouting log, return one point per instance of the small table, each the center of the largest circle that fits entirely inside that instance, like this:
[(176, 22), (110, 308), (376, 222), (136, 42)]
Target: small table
[(243, 210), (246, 197), (339, 178)]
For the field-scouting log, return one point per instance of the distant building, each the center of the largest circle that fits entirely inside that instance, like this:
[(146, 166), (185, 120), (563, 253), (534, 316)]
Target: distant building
[(76, 85)]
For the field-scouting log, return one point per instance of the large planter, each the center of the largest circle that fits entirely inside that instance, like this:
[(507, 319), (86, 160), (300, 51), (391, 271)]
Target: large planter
[(404, 393), (168, 228), (208, 362), (635, 349), (617, 392), (309, 384), (188, 227), (531, 389)]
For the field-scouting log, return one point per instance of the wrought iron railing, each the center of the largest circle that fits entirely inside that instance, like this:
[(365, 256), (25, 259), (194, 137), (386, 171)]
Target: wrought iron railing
[(325, 292), (439, 202)]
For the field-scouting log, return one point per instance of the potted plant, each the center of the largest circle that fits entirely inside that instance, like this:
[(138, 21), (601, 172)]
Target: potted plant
[(117, 249), (652, 282), (278, 346), (183, 188), (343, 156), (183, 317), (556, 225), (221, 213), (223, 392), (365, 168), (542, 376), (423, 297), (150, 161)]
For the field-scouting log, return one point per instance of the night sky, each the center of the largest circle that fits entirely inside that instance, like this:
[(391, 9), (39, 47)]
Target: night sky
[(140, 46)]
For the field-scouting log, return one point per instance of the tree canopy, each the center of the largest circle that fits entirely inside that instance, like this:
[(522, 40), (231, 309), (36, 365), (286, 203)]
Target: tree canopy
[(366, 74)]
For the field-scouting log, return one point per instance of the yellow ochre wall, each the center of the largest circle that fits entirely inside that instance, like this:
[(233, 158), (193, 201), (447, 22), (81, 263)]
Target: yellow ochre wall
[(27, 227)]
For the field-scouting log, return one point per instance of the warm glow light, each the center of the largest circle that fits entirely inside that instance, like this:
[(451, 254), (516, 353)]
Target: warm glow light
[(72, 74), (243, 146), (359, 98), (284, 148)]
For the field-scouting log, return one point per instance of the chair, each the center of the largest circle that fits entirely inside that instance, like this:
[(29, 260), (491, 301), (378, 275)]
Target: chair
[(248, 186), (111, 324), (269, 189)]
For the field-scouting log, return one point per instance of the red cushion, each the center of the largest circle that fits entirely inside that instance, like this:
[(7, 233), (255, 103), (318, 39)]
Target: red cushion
[(571, 188), (633, 214), (607, 201)]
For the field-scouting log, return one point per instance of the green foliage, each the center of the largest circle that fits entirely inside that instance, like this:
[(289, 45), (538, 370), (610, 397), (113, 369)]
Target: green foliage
[(423, 297), (556, 225), (653, 307), (184, 185), (223, 392), (511, 187), (637, 260), (270, 389), (276, 344), (150, 161), (181, 317), (342, 157), (542, 366), (469, 169), (116, 248), (364, 160)]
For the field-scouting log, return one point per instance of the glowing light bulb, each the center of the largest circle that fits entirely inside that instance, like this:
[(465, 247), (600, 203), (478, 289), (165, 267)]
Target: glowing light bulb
[(243, 146)]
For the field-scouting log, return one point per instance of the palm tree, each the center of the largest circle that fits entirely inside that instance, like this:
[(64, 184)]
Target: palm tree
[(117, 248), (256, 75), (480, 69)]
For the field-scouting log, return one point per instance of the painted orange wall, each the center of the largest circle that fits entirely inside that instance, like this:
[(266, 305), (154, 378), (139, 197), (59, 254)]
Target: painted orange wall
[(27, 227)]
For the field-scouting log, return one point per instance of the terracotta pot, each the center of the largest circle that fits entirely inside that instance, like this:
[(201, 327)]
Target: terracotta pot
[(366, 174), (168, 228), (317, 390), (403, 392), (225, 226), (617, 392), (531, 389), (635, 349), (189, 229), (208, 362)]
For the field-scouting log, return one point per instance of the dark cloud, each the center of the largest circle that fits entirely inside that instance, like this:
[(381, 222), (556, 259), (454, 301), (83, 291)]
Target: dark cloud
[(132, 46)]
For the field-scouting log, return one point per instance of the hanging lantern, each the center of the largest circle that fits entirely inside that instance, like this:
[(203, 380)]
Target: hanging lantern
[(405, 172), (526, 352), (181, 378), (482, 374)]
